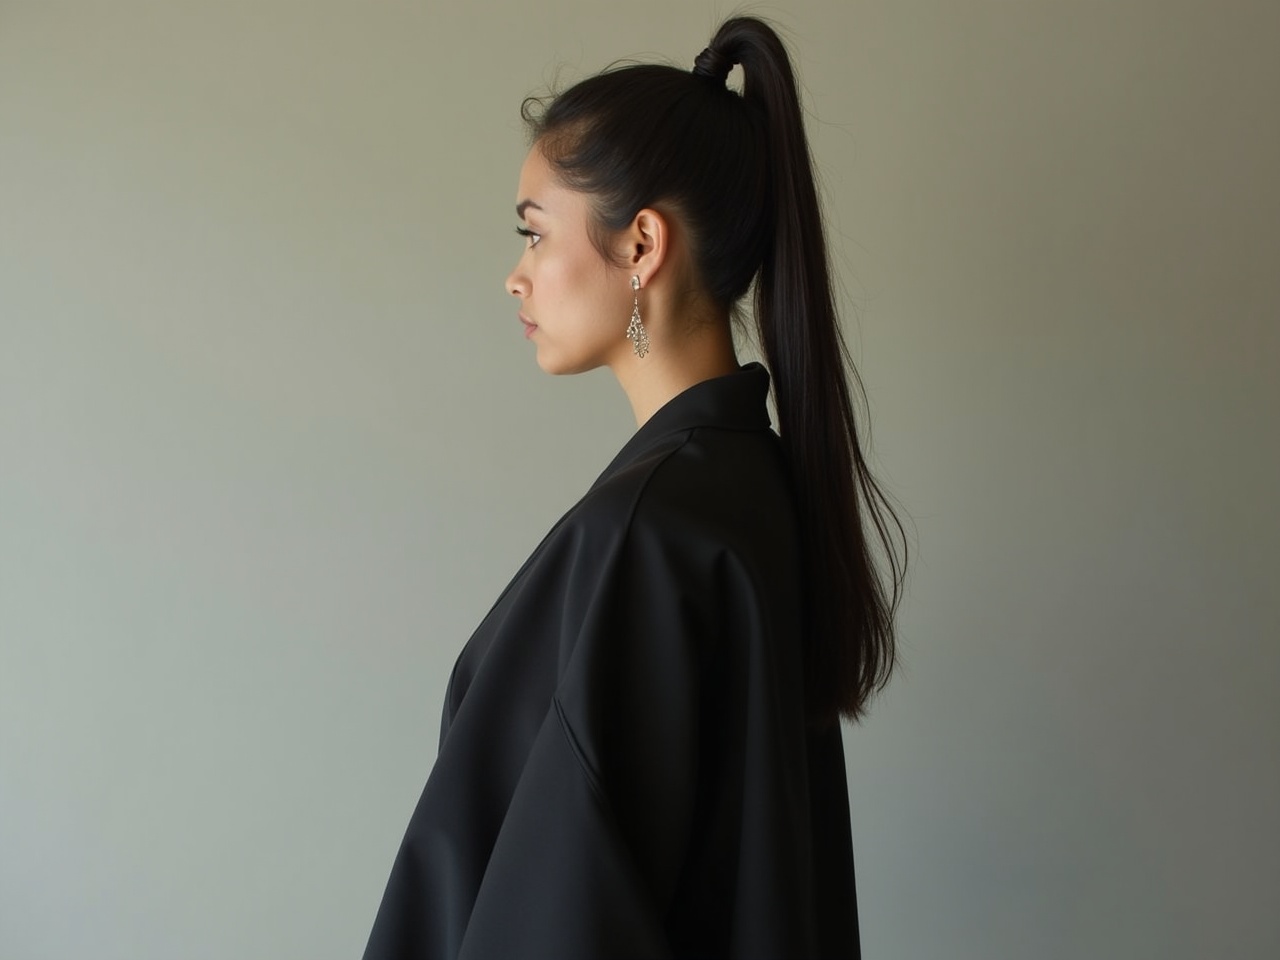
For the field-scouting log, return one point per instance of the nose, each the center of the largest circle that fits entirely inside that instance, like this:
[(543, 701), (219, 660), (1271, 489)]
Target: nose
[(517, 285)]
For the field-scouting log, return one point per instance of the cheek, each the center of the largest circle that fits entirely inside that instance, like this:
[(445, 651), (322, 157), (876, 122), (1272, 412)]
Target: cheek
[(575, 282), (551, 277), (559, 279)]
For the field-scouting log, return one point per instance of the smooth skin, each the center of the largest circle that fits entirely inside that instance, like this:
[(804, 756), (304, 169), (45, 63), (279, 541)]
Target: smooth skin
[(582, 304)]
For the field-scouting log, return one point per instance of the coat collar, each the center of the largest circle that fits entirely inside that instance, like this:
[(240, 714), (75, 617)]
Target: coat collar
[(735, 401)]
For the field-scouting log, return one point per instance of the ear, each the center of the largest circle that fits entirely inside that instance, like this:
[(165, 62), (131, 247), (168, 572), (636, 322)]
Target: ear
[(646, 243)]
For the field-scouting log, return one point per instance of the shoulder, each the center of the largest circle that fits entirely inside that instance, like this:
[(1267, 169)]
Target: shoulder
[(716, 480), (699, 497), (704, 578)]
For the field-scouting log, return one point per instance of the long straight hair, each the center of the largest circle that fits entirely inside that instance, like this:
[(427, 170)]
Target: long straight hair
[(737, 169)]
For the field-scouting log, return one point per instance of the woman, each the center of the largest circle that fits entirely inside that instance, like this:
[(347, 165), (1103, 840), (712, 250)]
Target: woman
[(640, 751)]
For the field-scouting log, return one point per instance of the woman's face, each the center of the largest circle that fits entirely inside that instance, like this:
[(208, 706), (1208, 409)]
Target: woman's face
[(580, 305)]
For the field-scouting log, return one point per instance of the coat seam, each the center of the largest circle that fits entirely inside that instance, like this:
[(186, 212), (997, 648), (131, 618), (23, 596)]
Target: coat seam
[(566, 728)]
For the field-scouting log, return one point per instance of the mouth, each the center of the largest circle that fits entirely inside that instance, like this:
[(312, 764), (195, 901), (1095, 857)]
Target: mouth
[(529, 325)]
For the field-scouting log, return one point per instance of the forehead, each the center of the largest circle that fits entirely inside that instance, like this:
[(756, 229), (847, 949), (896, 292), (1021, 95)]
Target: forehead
[(537, 183), (533, 173)]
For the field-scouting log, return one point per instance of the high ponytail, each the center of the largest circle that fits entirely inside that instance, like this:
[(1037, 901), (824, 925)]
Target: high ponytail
[(638, 134)]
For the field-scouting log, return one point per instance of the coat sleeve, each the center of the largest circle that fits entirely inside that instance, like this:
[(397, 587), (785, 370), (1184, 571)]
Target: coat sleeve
[(590, 852)]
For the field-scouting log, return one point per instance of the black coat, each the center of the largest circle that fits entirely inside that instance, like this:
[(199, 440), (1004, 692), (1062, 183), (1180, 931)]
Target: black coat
[(624, 769)]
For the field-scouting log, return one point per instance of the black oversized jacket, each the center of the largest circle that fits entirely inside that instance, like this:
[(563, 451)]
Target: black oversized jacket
[(624, 769)]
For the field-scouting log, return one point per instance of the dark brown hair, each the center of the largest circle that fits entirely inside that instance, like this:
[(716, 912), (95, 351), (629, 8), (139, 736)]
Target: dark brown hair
[(738, 170)]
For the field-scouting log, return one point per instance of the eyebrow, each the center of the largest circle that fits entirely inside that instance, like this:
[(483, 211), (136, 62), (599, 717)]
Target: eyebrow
[(524, 205)]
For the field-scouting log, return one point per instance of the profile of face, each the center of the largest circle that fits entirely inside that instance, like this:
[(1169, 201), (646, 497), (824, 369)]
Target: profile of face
[(578, 302)]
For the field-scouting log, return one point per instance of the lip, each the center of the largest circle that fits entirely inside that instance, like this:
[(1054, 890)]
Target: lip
[(529, 325)]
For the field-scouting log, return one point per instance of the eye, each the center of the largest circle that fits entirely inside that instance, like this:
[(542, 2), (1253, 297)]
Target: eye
[(532, 237)]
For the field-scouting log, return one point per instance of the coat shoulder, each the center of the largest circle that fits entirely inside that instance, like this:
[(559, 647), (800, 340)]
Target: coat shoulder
[(715, 485)]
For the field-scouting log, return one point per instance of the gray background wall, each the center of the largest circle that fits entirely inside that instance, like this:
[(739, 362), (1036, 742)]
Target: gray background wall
[(271, 443)]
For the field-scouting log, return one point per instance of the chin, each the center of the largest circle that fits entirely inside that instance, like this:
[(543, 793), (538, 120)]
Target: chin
[(547, 362)]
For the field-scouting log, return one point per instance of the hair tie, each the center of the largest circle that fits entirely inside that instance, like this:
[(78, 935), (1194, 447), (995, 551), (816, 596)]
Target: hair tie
[(713, 64)]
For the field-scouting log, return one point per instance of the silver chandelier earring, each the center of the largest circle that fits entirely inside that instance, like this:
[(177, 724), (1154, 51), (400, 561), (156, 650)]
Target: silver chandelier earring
[(635, 329)]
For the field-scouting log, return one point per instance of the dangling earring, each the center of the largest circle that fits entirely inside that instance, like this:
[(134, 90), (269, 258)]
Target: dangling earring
[(635, 329)]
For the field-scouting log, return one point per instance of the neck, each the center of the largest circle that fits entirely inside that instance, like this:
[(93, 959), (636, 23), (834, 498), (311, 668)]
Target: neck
[(671, 368)]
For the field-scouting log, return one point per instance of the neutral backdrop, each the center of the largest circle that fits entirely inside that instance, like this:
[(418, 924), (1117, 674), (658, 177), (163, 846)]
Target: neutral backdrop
[(271, 443)]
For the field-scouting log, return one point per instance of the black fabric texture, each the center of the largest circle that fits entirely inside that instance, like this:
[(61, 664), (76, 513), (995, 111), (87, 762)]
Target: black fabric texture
[(623, 769)]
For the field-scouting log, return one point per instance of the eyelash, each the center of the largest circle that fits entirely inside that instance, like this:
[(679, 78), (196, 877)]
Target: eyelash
[(529, 234)]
